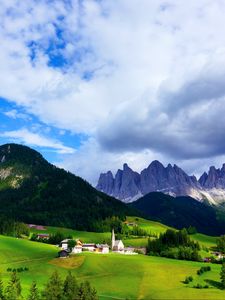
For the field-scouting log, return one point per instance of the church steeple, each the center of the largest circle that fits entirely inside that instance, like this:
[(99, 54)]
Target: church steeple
[(113, 238)]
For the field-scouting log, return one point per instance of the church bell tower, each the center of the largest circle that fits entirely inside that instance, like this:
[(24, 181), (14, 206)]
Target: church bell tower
[(113, 239)]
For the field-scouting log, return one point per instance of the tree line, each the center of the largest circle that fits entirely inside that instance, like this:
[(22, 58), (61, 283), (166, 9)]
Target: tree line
[(55, 289), (12, 228), (174, 244)]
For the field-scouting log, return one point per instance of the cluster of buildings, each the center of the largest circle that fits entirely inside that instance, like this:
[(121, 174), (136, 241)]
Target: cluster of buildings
[(117, 246), (217, 255)]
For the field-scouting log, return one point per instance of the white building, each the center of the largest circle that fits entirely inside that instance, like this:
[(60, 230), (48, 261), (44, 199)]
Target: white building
[(102, 248), (89, 247), (64, 244), (117, 245), (77, 249)]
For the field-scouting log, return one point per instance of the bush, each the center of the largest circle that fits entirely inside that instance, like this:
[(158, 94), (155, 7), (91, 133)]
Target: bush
[(203, 270), (188, 279), (198, 286)]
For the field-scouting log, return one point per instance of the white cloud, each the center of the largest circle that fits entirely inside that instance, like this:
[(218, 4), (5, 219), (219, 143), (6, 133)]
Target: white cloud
[(14, 114), (144, 60), (25, 136), (89, 160)]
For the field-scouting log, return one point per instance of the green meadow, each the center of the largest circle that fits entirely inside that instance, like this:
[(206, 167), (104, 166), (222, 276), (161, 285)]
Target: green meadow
[(154, 228), (115, 276)]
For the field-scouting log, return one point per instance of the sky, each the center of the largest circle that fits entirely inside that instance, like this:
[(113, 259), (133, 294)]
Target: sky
[(92, 84)]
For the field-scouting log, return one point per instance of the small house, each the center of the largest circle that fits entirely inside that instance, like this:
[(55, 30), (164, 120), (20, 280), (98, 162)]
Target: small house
[(89, 247), (64, 244), (207, 259), (77, 249), (63, 253), (129, 250), (102, 248), (42, 236)]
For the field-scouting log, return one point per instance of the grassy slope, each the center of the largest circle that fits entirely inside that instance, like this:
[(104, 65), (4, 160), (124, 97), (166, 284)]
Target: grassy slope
[(157, 228), (113, 275)]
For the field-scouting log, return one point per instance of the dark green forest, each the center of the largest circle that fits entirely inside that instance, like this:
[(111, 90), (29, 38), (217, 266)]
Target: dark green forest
[(40, 193), (182, 212)]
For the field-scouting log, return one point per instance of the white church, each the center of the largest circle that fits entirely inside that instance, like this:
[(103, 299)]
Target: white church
[(117, 245)]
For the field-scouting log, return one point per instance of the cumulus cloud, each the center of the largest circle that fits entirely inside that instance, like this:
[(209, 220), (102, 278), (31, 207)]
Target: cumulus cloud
[(136, 78), (25, 136), (89, 161)]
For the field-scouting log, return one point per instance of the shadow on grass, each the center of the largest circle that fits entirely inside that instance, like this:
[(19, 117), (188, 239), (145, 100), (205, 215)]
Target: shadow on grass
[(214, 283)]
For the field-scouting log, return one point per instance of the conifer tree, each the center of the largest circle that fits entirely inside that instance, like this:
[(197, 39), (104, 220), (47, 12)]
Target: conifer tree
[(86, 292), (222, 276), (70, 288), (1, 290), (34, 293), (54, 288), (13, 290)]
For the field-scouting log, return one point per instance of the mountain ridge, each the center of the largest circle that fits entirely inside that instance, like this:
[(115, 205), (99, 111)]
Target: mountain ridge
[(170, 180), (182, 211)]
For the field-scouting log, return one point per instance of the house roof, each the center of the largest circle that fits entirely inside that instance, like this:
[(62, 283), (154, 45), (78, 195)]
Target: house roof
[(89, 245), (102, 246), (64, 251), (65, 241), (43, 235)]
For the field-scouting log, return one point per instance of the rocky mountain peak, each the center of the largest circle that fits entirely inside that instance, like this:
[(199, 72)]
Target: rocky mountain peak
[(128, 185)]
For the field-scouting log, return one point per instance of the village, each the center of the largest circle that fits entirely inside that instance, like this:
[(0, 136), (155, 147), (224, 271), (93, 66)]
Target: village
[(117, 246)]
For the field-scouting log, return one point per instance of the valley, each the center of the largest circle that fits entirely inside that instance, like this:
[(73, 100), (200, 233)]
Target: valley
[(114, 276)]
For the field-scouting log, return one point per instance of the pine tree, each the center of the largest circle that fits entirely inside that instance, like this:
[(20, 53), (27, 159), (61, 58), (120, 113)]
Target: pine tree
[(54, 288), (34, 293), (1, 290), (13, 290), (222, 276), (70, 288), (86, 292)]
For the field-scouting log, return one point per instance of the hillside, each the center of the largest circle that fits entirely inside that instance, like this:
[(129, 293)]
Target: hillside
[(34, 191), (135, 277), (181, 212)]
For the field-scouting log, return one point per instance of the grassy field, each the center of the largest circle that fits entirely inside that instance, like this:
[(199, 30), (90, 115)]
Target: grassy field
[(150, 226), (114, 276)]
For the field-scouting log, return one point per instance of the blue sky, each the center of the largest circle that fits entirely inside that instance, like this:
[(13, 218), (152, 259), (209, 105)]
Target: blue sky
[(21, 127), (93, 84)]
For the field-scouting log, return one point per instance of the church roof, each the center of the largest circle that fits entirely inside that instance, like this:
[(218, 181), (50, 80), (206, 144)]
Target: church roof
[(117, 242)]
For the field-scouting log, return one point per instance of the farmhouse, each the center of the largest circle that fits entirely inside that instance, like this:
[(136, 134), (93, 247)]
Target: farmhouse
[(219, 255), (64, 244), (63, 253), (102, 248), (42, 236), (77, 249), (89, 247)]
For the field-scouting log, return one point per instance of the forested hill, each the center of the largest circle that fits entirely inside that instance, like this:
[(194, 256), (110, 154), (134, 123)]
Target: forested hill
[(34, 191), (182, 212)]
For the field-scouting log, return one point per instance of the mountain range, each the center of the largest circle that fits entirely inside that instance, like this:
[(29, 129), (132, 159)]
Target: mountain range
[(128, 185), (34, 191)]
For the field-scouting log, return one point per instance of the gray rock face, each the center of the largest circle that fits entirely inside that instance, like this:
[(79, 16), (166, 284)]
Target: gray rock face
[(129, 185), (106, 183), (215, 178), (124, 186)]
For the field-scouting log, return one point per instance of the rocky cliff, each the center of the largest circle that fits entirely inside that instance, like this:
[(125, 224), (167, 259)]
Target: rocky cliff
[(128, 185)]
